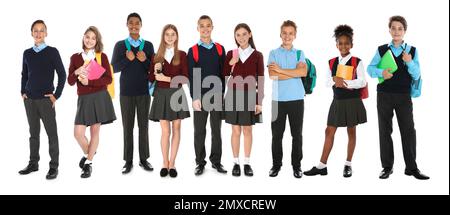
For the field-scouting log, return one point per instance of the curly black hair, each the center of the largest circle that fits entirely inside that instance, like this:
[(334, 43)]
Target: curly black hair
[(343, 30)]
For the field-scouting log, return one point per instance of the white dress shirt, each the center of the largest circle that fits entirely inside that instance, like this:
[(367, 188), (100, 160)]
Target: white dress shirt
[(360, 80)]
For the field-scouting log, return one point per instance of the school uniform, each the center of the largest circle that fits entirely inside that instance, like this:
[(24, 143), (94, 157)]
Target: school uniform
[(287, 101), (38, 70), (211, 64), (244, 91), (347, 108), (94, 103), (134, 95), (162, 107), (394, 95)]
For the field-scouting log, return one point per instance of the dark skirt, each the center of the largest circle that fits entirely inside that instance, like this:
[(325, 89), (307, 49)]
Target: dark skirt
[(346, 113), (240, 108), (95, 108), (161, 108)]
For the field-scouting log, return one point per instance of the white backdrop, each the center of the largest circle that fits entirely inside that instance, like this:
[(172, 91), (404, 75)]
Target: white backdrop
[(67, 20)]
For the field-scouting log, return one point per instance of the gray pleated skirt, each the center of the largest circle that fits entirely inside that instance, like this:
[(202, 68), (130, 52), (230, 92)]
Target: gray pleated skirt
[(346, 113), (240, 108), (162, 109), (95, 108)]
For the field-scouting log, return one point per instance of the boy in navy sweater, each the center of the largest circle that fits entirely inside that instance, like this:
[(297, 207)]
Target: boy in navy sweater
[(210, 58), (132, 59), (394, 94), (38, 71)]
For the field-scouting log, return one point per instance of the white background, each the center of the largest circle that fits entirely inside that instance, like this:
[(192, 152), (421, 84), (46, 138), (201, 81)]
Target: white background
[(316, 20)]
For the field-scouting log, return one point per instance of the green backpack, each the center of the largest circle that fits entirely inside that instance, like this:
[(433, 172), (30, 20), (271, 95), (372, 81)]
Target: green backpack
[(309, 82)]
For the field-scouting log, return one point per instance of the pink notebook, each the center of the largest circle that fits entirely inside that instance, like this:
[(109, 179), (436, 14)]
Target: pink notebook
[(95, 71)]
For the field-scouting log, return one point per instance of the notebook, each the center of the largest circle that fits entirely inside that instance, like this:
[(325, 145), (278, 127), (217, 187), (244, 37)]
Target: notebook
[(345, 72), (95, 71), (387, 62)]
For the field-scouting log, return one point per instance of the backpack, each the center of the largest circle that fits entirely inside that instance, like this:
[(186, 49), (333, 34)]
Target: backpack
[(416, 85), (309, 82), (364, 92), (195, 52), (110, 87), (151, 85)]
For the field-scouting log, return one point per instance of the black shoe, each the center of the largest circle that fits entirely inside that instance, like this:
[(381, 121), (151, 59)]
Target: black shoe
[(274, 171), (164, 172), (82, 161), (146, 165), (298, 172), (29, 169), (199, 169), (385, 173), (173, 173), (248, 170), (127, 167), (347, 171), (417, 174), (52, 173), (87, 170), (236, 170), (316, 171), (219, 168)]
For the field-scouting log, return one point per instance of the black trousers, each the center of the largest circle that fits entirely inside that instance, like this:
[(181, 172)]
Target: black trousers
[(129, 106), (403, 107), (215, 121), (41, 109), (294, 110)]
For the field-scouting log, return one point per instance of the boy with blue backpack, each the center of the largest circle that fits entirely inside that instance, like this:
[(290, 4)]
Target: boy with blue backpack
[(394, 92), (132, 57), (287, 66)]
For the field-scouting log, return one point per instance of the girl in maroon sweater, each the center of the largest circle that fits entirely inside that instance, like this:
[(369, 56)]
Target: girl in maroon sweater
[(169, 69), (94, 103), (245, 92)]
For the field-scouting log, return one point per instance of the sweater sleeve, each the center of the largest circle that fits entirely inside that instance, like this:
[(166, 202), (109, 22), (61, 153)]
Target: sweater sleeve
[(72, 78), (191, 64), (59, 67), (260, 80), (106, 78), (184, 66), (24, 74), (149, 52), (119, 59), (151, 70)]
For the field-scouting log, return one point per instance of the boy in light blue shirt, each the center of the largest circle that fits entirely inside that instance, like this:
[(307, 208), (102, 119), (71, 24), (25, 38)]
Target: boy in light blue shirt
[(285, 69)]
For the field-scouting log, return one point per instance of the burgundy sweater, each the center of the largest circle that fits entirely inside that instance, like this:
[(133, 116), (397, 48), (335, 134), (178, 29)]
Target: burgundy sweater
[(76, 61), (170, 70), (253, 66)]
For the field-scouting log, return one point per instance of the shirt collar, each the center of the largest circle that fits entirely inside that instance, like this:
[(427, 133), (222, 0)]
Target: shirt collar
[(39, 47), (287, 50), (133, 42), (246, 51), (345, 59), (403, 45), (89, 55), (208, 46)]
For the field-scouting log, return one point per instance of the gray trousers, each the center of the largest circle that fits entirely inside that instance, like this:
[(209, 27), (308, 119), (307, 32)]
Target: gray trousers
[(41, 109), (129, 105)]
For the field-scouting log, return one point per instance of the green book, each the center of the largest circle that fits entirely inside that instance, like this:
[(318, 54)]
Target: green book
[(387, 62)]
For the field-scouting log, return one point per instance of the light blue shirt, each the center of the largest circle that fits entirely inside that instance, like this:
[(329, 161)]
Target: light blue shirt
[(413, 65), (135, 43), (39, 48), (208, 46), (291, 89)]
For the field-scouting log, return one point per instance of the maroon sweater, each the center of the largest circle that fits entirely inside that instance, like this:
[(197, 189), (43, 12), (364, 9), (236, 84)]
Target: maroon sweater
[(76, 61), (253, 66), (170, 70)]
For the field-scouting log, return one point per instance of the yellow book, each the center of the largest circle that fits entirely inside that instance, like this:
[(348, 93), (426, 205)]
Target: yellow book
[(345, 72)]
